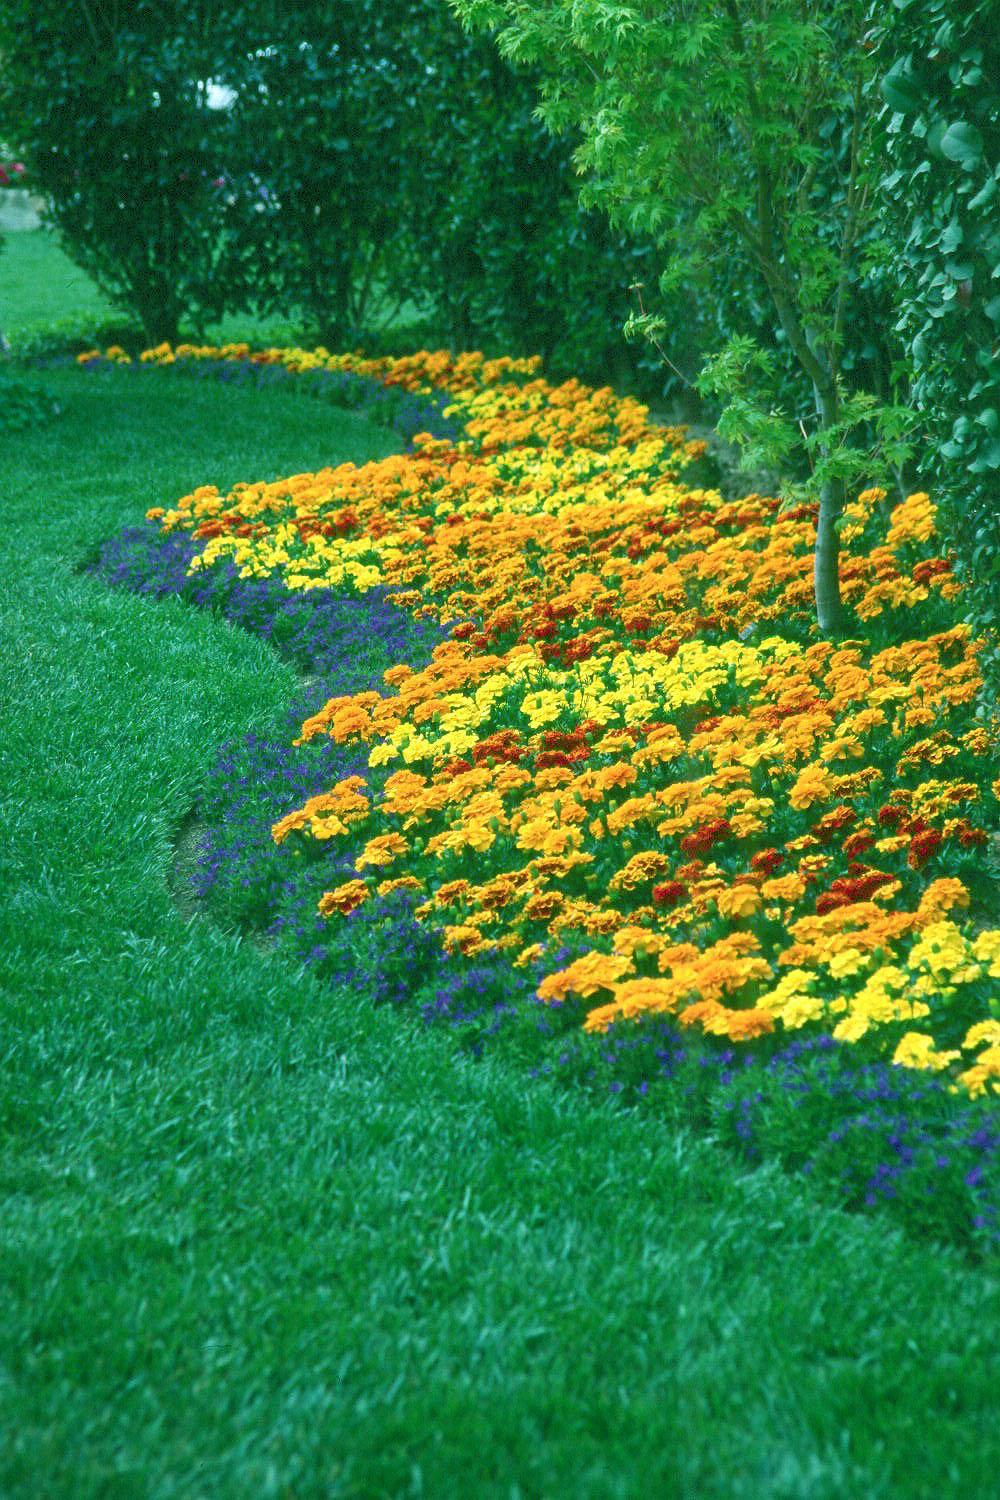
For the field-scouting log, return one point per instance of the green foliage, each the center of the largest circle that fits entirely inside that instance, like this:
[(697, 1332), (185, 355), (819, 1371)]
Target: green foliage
[(500, 245), (865, 446), (390, 150), (319, 175), (941, 138), (112, 113)]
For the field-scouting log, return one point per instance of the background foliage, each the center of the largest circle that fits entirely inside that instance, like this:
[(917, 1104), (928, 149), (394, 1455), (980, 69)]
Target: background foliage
[(369, 153)]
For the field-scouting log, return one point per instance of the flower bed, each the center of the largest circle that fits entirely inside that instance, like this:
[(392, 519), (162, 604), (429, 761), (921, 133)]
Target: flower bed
[(624, 805)]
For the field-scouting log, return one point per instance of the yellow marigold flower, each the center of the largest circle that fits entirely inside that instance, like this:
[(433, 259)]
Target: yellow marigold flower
[(463, 938), (328, 814), (847, 962), (800, 1010), (813, 784), (738, 901), (599, 1019), (709, 1014), (912, 521), (916, 1050), (403, 883), (528, 955), (939, 897), (787, 888), (845, 746), (852, 1028), (640, 869), (986, 948), (983, 1031), (744, 1025), (636, 997), (381, 851), (984, 1073), (585, 976)]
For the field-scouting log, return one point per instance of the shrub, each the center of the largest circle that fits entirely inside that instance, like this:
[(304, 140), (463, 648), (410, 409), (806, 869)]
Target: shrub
[(113, 116), (24, 404), (500, 244), (397, 159)]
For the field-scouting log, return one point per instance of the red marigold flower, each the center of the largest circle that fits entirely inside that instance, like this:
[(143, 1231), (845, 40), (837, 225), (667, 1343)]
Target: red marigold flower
[(702, 839), (922, 847), (829, 901), (556, 739), (500, 746), (456, 767), (669, 893)]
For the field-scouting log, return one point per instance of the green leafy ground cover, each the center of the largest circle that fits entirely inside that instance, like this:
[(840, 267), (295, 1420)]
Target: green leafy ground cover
[(263, 1240)]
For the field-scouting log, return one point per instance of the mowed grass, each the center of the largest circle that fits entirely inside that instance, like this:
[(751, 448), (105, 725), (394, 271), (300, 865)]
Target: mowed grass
[(42, 291), (40, 285), (261, 1240)]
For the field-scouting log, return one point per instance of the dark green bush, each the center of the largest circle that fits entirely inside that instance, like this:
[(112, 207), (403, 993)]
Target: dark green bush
[(319, 130), (391, 157), (500, 245), (25, 403), (110, 109)]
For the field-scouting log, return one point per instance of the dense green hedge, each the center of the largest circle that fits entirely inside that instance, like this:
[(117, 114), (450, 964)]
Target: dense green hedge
[(941, 86)]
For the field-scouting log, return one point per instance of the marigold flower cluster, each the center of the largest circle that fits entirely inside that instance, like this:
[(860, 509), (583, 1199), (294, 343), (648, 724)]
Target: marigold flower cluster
[(634, 741)]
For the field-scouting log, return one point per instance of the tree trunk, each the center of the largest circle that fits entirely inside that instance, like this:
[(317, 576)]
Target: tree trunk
[(830, 613), (160, 318), (826, 560)]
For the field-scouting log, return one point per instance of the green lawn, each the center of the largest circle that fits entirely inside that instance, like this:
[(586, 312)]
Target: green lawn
[(42, 291), (260, 1240), (40, 286)]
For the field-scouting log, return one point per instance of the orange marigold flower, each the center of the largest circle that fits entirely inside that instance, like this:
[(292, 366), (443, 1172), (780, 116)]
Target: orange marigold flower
[(744, 1025), (345, 898)]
